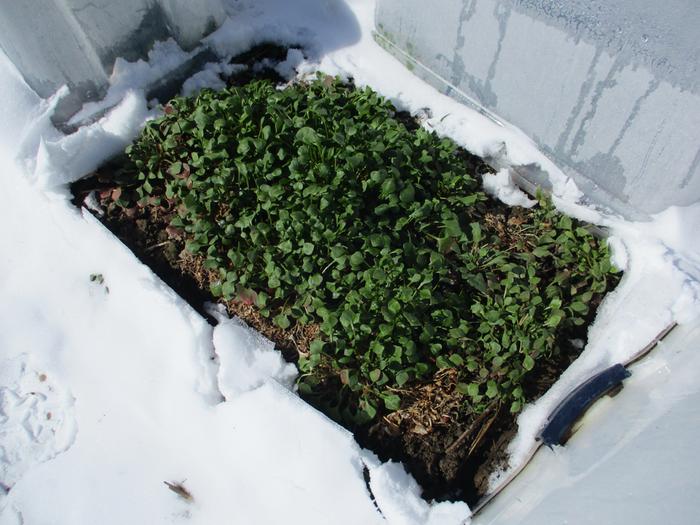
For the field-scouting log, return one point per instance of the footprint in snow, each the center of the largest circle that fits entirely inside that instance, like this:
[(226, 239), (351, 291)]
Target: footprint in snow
[(36, 420)]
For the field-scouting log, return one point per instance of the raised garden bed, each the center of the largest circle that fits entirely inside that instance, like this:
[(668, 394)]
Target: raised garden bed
[(421, 314)]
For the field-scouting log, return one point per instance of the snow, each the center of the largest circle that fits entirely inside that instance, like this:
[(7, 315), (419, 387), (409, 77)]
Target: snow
[(634, 459), (291, 64), (210, 77), (141, 390), (398, 496), (163, 58), (137, 370), (500, 186), (247, 360), (38, 421), (65, 159)]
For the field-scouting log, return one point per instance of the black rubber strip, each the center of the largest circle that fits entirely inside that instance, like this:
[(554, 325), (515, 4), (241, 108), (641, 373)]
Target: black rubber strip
[(575, 404)]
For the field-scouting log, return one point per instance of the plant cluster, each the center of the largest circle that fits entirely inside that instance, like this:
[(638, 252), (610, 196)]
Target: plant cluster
[(319, 203)]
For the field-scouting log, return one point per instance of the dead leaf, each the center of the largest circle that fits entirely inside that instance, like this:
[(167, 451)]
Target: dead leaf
[(179, 489)]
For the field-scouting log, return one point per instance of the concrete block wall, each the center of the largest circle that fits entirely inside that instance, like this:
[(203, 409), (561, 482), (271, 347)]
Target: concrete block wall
[(609, 90), (75, 42)]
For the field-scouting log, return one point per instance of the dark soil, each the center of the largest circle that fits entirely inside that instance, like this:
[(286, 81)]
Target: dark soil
[(259, 61), (449, 452)]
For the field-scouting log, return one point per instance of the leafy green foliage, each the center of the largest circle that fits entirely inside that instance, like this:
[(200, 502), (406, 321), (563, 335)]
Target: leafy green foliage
[(316, 201)]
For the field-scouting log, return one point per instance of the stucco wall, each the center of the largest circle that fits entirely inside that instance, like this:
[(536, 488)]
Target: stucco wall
[(609, 90)]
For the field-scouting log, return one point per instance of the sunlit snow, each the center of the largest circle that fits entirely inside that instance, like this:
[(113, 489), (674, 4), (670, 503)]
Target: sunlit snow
[(111, 387)]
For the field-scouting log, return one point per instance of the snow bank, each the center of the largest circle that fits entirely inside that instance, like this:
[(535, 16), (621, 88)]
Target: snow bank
[(210, 77), (500, 186), (132, 385), (141, 390), (163, 58), (399, 497), (66, 159), (247, 360), (111, 385), (20, 101)]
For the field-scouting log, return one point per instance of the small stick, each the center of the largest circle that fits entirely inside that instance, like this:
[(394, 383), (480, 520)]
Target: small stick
[(157, 246), (648, 348), (482, 433), (470, 429)]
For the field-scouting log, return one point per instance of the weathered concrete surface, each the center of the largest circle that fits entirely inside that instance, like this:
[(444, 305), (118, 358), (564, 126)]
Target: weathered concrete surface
[(609, 90), (75, 42)]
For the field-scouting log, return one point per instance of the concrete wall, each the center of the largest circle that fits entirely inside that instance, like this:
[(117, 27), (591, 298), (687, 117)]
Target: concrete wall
[(610, 90), (75, 42)]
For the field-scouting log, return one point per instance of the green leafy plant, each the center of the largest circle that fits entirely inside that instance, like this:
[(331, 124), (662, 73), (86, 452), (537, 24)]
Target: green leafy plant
[(317, 202)]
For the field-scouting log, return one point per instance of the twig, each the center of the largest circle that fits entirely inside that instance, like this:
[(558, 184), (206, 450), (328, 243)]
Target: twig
[(157, 245), (470, 428), (652, 344), (482, 432), (327, 266)]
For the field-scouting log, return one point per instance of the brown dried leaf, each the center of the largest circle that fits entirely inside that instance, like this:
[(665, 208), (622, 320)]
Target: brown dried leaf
[(179, 489), (174, 233)]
